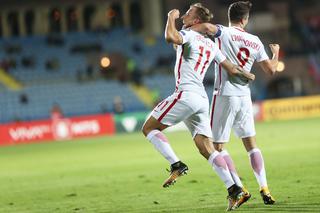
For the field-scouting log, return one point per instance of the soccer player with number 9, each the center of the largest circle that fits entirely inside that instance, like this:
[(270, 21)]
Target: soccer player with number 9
[(231, 105)]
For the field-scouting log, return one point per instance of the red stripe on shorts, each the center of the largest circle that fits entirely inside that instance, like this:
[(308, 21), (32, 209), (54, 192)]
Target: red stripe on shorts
[(171, 105), (219, 41), (212, 109)]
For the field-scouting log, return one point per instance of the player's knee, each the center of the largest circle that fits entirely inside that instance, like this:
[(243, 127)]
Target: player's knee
[(249, 143), (204, 152), (218, 147), (145, 130)]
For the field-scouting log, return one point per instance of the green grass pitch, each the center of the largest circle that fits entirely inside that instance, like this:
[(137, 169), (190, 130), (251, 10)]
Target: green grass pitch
[(125, 173)]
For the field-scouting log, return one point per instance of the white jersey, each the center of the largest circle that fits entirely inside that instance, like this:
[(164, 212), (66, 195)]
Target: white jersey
[(240, 48), (193, 59)]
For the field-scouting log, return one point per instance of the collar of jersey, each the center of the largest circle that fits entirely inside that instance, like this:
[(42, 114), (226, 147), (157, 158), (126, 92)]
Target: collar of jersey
[(239, 28)]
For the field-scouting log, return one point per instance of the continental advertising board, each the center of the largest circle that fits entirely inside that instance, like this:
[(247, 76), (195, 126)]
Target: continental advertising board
[(291, 108)]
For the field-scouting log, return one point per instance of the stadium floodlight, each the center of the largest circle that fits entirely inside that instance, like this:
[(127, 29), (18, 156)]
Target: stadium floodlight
[(281, 66), (105, 62)]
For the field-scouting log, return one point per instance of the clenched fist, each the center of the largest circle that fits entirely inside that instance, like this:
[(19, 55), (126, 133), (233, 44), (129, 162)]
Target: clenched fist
[(174, 14), (274, 48)]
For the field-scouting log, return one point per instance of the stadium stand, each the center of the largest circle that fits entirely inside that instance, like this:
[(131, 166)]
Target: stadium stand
[(54, 67), (74, 99), (47, 83)]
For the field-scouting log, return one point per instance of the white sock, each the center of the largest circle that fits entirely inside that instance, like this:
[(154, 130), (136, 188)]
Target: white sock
[(257, 165), (161, 143), (220, 166), (226, 156)]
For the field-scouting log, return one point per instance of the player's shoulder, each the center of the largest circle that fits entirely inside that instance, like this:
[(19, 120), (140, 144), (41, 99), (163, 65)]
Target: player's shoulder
[(221, 30), (251, 36), (196, 34), (222, 27), (186, 31), (255, 37)]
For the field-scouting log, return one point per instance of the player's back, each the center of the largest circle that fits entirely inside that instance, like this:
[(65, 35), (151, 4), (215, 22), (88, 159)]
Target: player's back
[(240, 48), (193, 59)]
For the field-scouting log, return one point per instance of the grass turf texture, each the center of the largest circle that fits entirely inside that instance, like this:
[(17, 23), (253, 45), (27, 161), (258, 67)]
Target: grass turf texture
[(125, 173)]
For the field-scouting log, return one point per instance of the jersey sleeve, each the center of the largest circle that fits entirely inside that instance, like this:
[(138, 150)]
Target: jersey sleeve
[(186, 35), (219, 32), (219, 57), (262, 55)]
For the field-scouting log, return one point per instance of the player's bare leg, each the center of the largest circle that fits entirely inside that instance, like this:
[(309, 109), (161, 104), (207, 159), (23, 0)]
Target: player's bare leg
[(223, 152), (257, 164), (152, 130), (206, 148)]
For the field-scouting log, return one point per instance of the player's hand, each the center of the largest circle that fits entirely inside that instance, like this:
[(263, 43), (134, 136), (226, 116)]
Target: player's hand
[(250, 76), (242, 77), (174, 14), (245, 75), (274, 48)]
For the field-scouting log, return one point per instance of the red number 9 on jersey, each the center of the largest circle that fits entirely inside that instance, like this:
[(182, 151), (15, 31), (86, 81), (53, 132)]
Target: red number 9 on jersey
[(243, 56)]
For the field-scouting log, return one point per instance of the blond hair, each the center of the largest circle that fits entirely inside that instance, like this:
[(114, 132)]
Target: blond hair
[(203, 13)]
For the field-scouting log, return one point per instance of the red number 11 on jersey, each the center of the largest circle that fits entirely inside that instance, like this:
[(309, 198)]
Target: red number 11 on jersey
[(208, 53)]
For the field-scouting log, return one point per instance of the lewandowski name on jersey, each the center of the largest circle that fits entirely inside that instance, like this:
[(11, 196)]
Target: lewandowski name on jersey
[(247, 43)]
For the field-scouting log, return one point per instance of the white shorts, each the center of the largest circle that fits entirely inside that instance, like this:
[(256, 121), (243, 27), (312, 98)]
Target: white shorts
[(186, 106), (231, 112)]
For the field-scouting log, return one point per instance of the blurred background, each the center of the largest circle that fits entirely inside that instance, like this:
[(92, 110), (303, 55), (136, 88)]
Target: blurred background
[(90, 57)]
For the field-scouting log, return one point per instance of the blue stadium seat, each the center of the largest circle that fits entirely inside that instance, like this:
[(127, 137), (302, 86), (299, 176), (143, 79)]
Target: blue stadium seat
[(46, 87)]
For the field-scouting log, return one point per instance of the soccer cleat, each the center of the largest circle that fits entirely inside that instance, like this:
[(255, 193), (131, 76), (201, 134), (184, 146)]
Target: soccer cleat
[(266, 196), (245, 197), (237, 196), (177, 169)]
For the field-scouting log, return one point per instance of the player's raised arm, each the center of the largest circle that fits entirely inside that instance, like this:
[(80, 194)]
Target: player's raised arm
[(270, 66), (206, 28), (235, 70), (171, 33)]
